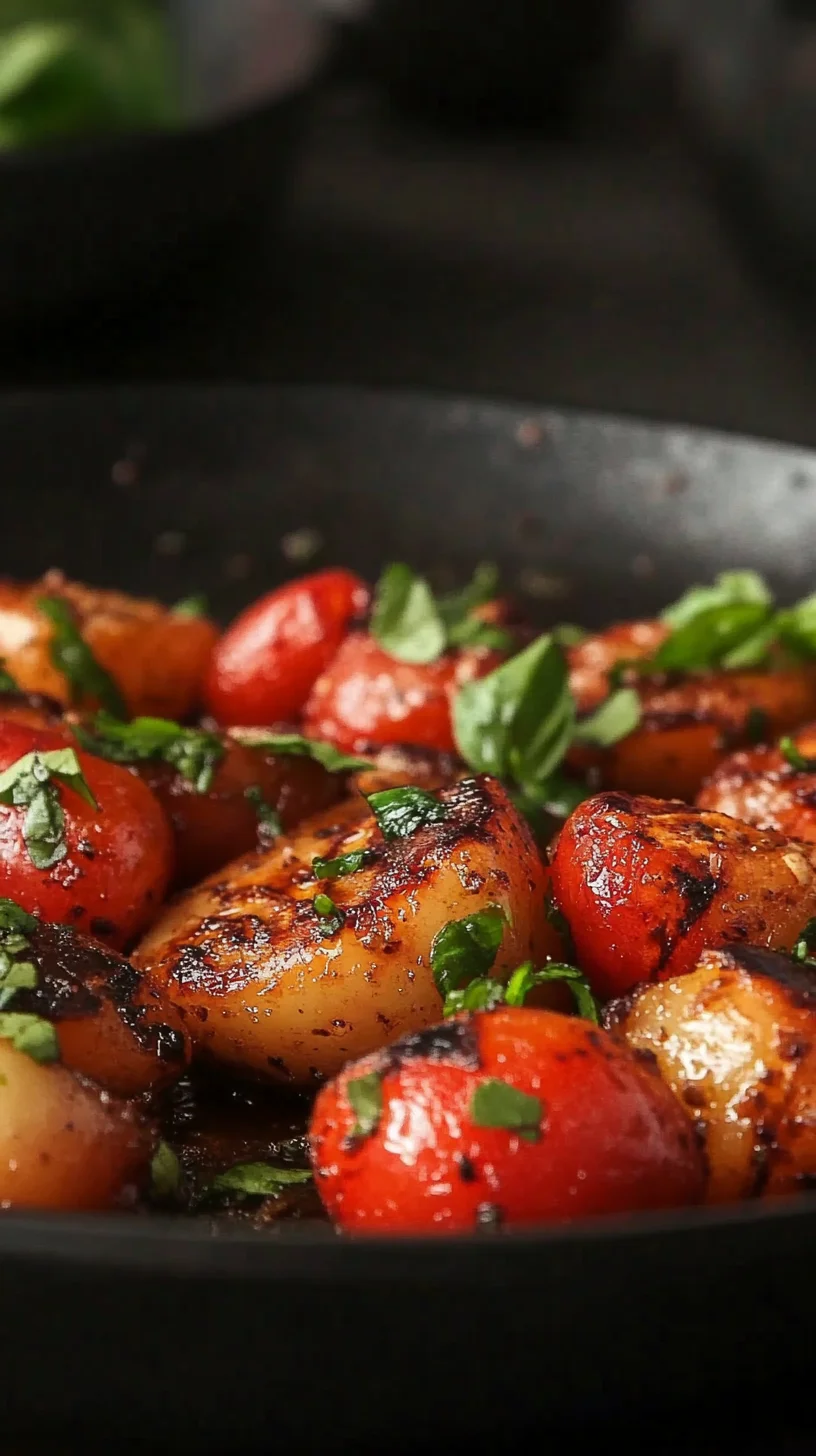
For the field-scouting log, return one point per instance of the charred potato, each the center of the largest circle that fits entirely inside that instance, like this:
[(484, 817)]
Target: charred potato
[(762, 787)]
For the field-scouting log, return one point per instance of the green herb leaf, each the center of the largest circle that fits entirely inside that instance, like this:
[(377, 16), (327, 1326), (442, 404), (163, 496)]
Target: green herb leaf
[(806, 942), (365, 1100), (30, 784), (730, 588), (194, 606), (727, 636), (296, 745), (259, 1180), (192, 752), (400, 812), (345, 864), (405, 619), (466, 949), (30, 1034), (518, 721), (7, 682), (566, 634), (13, 918), (483, 994), (268, 818), (72, 656), (165, 1174), (331, 918), (615, 719), (523, 980), (558, 920), (496, 1104), (797, 760), (15, 976)]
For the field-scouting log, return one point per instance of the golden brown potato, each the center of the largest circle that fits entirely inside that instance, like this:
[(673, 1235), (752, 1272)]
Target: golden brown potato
[(592, 660), (761, 787), (113, 1026), (398, 764), (156, 657), (269, 987), (647, 885), (736, 1041), (64, 1143)]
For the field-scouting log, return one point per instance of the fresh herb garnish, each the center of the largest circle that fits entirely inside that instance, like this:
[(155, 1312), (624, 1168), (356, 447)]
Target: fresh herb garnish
[(71, 655), (466, 949), (331, 919), (269, 823), (558, 920), (797, 760), (806, 942), (400, 812), (496, 1104), (295, 744), (194, 606), (486, 992), (615, 719), (31, 784), (165, 1174), (412, 625), (7, 682), (481, 995), (192, 752), (16, 925), (30, 1034), (344, 864), (365, 1100), (258, 1180)]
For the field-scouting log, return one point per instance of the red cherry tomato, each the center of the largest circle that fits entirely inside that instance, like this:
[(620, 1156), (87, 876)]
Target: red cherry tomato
[(264, 666), (512, 1116), (119, 857), (366, 697)]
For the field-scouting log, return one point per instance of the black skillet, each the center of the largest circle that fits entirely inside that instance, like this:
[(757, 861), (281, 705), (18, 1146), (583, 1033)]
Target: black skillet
[(138, 1328)]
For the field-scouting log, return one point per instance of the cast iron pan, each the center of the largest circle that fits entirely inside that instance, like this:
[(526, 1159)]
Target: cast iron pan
[(139, 1328)]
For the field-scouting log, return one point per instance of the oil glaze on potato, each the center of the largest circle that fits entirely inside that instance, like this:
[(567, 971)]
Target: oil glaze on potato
[(736, 1041), (760, 786), (646, 885), (64, 1143), (262, 985), (157, 657)]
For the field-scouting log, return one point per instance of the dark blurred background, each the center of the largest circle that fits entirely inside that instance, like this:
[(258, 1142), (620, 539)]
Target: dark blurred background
[(606, 203)]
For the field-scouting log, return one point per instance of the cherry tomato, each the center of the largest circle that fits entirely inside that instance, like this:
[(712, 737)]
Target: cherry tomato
[(264, 666), (119, 858), (368, 698), (646, 884), (512, 1116)]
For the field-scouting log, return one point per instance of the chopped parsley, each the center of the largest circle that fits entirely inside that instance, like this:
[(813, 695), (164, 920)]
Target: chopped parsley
[(30, 1034), (269, 824), (192, 752), (258, 1180), (805, 943), (331, 919), (165, 1174), (466, 949), (485, 993), (344, 864), (797, 760), (70, 654), (496, 1104), (16, 925), (31, 784), (400, 812)]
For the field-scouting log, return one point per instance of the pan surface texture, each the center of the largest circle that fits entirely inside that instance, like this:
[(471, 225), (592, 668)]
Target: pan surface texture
[(158, 1330)]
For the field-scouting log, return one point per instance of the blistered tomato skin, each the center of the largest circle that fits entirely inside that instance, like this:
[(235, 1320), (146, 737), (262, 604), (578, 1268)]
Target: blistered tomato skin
[(735, 1039), (646, 884), (366, 698), (267, 661), (119, 859), (604, 1133)]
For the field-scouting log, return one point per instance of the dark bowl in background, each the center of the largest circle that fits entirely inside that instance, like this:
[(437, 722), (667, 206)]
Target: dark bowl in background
[(92, 225)]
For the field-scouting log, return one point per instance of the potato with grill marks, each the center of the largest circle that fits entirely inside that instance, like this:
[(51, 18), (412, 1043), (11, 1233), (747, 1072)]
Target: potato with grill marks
[(646, 885), (736, 1041), (271, 985), (762, 787)]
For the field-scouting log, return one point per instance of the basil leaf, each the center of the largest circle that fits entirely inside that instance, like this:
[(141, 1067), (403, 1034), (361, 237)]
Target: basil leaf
[(192, 752), (7, 682), (518, 721), (566, 634), (44, 829), (456, 607), (615, 719), (797, 760), (345, 864), (711, 637), (15, 919), (194, 606), (268, 818), (496, 1104), (806, 942), (470, 632), (400, 812), (523, 980), (483, 994), (72, 656), (405, 619), (365, 1100), (730, 588), (15, 976), (259, 1180), (28, 784), (295, 744), (331, 918), (165, 1174), (466, 949), (796, 626), (30, 1034)]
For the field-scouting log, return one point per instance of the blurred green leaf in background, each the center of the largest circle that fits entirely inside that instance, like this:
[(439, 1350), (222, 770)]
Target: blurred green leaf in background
[(84, 67)]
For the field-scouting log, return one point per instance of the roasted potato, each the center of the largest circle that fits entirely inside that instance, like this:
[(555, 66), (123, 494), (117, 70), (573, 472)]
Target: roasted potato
[(156, 657), (270, 987), (646, 885), (761, 787), (591, 661), (736, 1041)]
